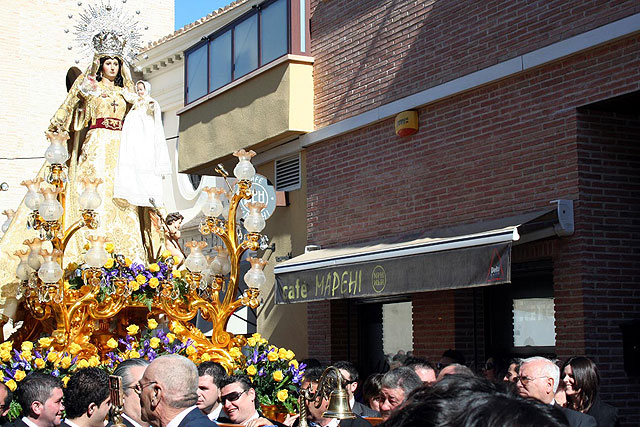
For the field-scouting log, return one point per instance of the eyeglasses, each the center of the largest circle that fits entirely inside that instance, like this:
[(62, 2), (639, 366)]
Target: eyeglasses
[(231, 397), (439, 366), (138, 388), (525, 379)]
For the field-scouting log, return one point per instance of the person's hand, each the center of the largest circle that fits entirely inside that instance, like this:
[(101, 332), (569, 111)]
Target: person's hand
[(257, 422), (291, 418)]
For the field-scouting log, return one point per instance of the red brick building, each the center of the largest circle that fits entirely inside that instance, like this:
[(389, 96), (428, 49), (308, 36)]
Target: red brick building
[(519, 104)]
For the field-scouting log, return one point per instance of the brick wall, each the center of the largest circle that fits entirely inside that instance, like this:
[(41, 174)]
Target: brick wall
[(369, 53), (610, 193)]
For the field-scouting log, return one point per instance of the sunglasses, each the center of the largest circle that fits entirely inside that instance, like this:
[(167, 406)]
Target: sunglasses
[(231, 397)]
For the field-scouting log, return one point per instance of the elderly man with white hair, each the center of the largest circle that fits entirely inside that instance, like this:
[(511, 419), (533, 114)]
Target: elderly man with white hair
[(538, 379), (168, 393)]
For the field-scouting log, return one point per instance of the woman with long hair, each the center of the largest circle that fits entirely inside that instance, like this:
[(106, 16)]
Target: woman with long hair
[(582, 381)]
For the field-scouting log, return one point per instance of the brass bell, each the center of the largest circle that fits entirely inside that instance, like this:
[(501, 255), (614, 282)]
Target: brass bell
[(339, 404)]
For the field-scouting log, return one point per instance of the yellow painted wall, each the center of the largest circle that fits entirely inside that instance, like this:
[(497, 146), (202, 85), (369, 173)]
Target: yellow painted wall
[(277, 103)]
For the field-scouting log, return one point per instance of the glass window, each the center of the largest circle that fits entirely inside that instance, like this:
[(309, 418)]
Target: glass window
[(245, 46), (533, 322), (273, 31), (220, 56), (197, 73)]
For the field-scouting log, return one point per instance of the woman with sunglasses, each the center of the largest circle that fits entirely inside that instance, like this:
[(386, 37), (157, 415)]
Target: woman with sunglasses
[(582, 380)]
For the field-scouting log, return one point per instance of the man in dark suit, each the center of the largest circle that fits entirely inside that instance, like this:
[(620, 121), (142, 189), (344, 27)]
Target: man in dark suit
[(240, 403), (351, 376), (131, 370), (314, 413), (211, 376), (538, 379), (86, 398), (40, 396), (168, 393), (6, 396)]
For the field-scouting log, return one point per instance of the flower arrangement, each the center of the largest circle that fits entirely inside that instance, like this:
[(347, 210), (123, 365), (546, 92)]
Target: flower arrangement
[(142, 283), (275, 374)]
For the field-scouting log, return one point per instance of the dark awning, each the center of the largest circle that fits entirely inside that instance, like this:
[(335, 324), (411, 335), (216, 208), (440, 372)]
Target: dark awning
[(458, 257)]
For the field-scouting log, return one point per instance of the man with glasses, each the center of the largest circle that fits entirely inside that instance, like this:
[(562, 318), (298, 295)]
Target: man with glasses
[(87, 399), (538, 379), (168, 393), (131, 371), (350, 375), (40, 396), (240, 403)]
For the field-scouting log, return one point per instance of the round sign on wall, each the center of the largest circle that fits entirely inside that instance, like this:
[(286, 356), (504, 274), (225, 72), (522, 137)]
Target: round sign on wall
[(263, 192)]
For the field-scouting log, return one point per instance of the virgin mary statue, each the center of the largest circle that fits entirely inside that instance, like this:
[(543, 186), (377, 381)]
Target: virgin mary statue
[(98, 100)]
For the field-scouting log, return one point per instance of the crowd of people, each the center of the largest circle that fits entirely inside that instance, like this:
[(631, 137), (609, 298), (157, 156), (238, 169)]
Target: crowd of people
[(172, 391)]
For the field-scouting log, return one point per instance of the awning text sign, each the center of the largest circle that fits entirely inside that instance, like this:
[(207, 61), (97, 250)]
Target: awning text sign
[(452, 269)]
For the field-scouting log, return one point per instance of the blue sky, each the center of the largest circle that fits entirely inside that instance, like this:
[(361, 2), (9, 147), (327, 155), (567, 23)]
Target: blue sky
[(188, 11)]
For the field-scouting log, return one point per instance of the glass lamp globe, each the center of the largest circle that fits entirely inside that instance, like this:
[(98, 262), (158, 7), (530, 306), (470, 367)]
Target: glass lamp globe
[(254, 222), (35, 260), (255, 277), (90, 198), (50, 209), (23, 270), (33, 198), (221, 264), (244, 170), (50, 271), (196, 261), (97, 255), (213, 206), (57, 152)]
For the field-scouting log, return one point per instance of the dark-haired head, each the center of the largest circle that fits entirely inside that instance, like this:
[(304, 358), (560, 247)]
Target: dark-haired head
[(87, 386), (119, 80), (36, 387), (582, 380)]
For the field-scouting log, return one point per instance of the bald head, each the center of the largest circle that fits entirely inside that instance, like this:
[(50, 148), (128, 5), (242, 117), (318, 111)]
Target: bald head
[(178, 376)]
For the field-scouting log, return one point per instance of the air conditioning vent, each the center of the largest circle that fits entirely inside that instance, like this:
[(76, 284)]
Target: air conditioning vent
[(288, 173)]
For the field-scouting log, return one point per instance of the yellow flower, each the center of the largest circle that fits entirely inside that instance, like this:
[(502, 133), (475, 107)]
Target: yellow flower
[(45, 342), (52, 356), (178, 328), (5, 355), (154, 342), (26, 355), (277, 376), (39, 363), (205, 357), (6, 346), (251, 370), (1, 376), (256, 335), (128, 262), (141, 279), (272, 356), (251, 341), (112, 343), (74, 349), (262, 341), (191, 350), (109, 263), (65, 380), (109, 247), (282, 395), (94, 361), (176, 260), (154, 268), (235, 352), (177, 274), (19, 375), (134, 286), (65, 362), (132, 329), (154, 282), (290, 355), (166, 254), (294, 363), (133, 354), (12, 385), (152, 324), (27, 346), (84, 363), (282, 353)]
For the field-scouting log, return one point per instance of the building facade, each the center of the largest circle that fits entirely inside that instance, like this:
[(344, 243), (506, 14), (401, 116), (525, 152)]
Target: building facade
[(507, 225)]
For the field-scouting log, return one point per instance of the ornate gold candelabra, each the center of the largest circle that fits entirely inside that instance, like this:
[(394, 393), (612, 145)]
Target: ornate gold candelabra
[(81, 315)]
